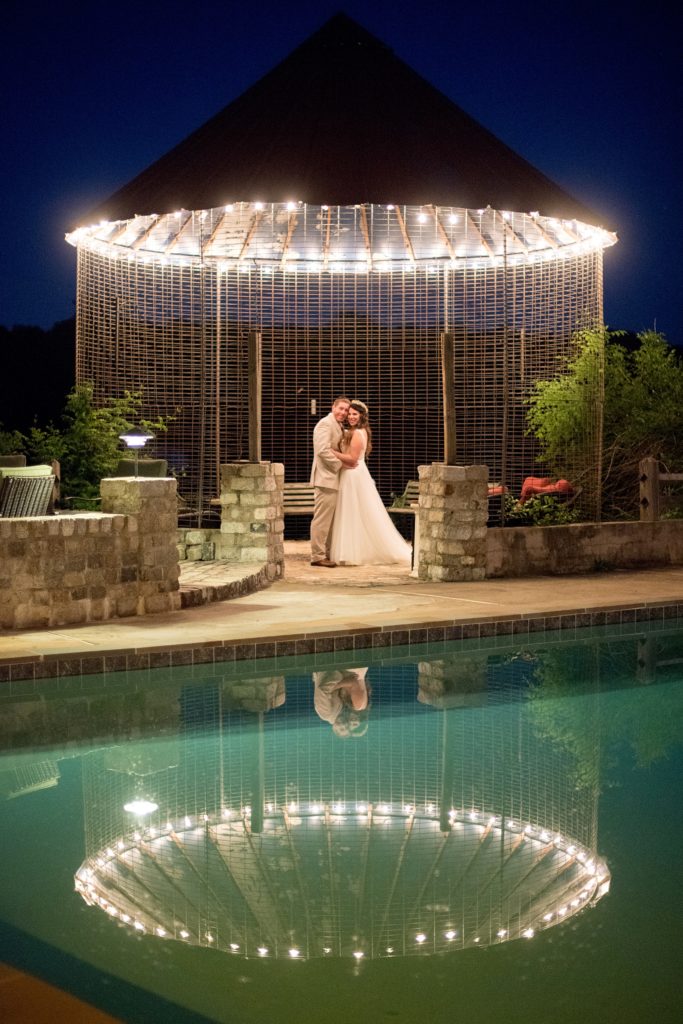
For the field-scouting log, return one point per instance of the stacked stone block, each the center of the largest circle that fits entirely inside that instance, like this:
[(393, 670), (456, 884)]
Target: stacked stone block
[(87, 567), (453, 510), (252, 519), (153, 506)]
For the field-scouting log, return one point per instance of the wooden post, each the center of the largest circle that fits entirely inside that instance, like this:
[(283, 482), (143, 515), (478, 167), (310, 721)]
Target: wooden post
[(648, 475), (448, 391), (254, 396)]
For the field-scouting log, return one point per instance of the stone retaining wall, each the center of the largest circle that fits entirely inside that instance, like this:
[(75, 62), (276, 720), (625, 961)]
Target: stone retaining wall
[(86, 567), (582, 547)]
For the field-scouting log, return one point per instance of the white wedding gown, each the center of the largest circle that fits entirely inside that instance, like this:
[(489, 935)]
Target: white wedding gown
[(362, 532)]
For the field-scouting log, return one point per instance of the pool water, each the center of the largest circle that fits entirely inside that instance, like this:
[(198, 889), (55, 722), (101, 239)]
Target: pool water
[(451, 832)]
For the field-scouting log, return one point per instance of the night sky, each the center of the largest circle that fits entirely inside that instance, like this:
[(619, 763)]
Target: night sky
[(588, 93)]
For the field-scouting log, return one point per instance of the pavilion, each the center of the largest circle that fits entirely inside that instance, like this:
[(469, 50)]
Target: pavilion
[(350, 213)]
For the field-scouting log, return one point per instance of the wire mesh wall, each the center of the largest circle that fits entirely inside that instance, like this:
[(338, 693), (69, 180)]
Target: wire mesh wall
[(165, 305)]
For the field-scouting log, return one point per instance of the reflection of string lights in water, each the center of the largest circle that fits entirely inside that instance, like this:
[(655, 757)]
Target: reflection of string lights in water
[(548, 879), (454, 822)]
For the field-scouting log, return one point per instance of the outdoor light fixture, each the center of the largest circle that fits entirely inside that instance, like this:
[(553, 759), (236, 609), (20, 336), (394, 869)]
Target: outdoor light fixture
[(136, 439)]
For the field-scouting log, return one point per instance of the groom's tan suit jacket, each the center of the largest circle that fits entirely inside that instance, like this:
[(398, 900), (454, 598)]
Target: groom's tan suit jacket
[(325, 469)]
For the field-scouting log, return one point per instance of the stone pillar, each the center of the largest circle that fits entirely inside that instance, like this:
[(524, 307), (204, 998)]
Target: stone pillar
[(252, 520), (453, 511), (152, 508)]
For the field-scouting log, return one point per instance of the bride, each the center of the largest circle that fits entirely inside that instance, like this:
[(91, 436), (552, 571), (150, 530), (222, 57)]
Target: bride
[(362, 532)]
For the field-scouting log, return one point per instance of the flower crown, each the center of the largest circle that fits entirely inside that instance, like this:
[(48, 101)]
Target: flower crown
[(359, 406)]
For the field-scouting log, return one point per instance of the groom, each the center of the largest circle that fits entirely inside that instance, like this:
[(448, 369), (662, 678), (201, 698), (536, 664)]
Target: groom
[(325, 479)]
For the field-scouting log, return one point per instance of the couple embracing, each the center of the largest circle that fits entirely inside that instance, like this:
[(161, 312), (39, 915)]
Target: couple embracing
[(350, 523)]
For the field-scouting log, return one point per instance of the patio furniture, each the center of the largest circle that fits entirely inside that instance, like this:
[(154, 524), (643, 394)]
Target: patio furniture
[(534, 485), (298, 499), (24, 495), (12, 460)]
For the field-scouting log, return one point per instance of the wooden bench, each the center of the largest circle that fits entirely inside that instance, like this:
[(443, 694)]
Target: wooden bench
[(406, 503), (298, 499)]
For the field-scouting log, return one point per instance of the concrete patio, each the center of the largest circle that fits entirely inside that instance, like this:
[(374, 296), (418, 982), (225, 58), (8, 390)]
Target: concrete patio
[(320, 610)]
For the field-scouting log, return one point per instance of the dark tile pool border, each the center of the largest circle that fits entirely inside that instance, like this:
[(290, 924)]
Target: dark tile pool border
[(219, 652)]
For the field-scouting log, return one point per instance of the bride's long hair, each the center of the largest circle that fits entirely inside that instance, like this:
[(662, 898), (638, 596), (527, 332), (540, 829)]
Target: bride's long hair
[(363, 423)]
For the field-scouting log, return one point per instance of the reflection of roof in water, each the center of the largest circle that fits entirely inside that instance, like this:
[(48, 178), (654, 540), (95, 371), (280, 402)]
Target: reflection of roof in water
[(352, 880)]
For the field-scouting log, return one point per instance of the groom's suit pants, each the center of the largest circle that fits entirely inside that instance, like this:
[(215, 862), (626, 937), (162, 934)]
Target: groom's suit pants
[(324, 504)]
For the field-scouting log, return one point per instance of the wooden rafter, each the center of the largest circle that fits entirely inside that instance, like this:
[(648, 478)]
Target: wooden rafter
[(215, 231), (442, 232), (255, 221), (291, 226), (145, 234), (552, 242), (171, 246), (326, 236), (485, 245), (509, 230), (366, 235), (406, 240)]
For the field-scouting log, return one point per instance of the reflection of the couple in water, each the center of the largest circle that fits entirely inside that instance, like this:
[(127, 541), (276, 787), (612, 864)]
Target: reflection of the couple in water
[(342, 698), (455, 823)]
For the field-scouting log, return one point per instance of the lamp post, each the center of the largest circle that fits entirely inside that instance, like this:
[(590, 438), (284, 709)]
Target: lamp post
[(136, 439)]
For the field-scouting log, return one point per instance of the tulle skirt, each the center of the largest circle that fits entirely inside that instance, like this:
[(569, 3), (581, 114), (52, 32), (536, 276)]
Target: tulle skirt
[(362, 532)]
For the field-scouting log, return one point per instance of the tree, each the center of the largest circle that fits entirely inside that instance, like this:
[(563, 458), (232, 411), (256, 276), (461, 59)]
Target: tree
[(88, 445), (640, 394)]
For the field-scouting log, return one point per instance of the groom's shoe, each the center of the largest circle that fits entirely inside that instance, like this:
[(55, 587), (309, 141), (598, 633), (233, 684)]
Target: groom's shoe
[(326, 563)]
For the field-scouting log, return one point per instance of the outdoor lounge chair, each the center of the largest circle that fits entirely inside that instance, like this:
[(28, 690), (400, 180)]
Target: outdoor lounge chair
[(534, 485), (22, 496)]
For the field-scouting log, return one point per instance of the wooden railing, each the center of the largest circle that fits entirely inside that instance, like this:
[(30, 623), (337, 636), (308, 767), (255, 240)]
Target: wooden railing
[(651, 480)]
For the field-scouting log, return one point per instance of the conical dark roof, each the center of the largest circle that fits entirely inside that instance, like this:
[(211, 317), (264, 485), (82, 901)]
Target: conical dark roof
[(341, 121)]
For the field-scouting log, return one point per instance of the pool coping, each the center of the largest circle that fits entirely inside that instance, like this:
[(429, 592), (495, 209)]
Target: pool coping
[(329, 641)]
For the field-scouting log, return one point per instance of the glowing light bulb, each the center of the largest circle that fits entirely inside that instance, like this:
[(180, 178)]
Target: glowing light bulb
[(141, 807), (420, 937), (234, 946), (358, 954), (294, 953), (258, 206), (528, 933), (262, 950), (161, 932), (184, 934), (501, 933), (450, 934), (422, 217)]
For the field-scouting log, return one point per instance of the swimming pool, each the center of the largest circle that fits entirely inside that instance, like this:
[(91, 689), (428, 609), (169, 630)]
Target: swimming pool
[(451, 831)]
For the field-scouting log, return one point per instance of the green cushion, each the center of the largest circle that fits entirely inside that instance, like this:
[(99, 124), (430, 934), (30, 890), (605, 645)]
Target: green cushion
[(25, 471)]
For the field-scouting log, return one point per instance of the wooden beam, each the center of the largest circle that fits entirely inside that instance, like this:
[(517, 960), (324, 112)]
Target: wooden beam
[(552, 242), (181, 229), (326, 239), (513, 234), (219, 225), (406, 240), (291, 225), (448, 390), (366, 234), (442, 232), (484, 243), (255, 371), (255, 221)]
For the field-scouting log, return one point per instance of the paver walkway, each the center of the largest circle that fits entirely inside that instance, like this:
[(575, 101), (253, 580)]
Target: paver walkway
[(312, 602)]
